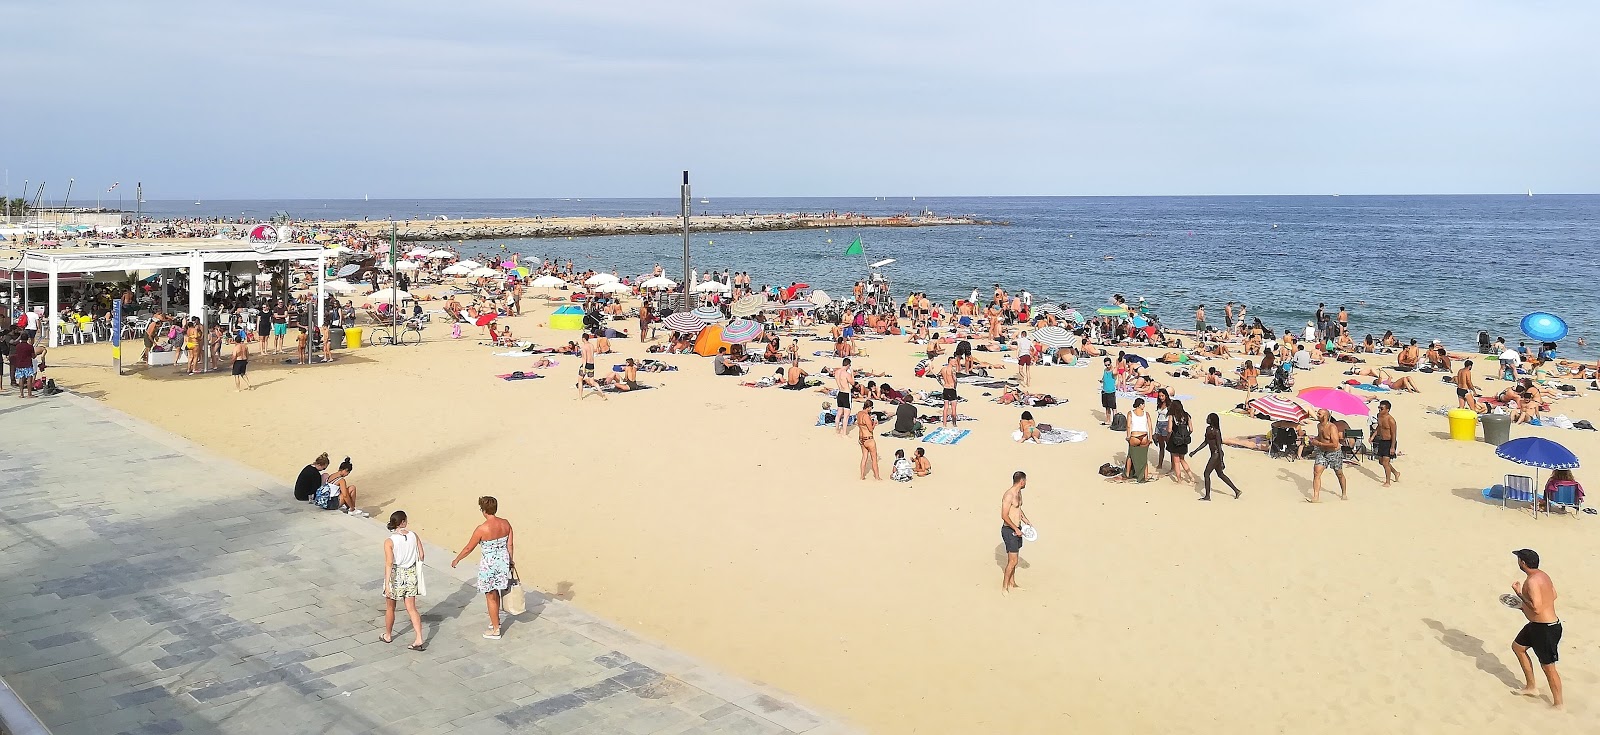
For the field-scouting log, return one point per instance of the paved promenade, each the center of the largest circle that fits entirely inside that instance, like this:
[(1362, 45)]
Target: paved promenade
[(151, 588)]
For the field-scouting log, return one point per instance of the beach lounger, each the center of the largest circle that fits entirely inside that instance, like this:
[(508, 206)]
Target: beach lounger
[(1519, 489)]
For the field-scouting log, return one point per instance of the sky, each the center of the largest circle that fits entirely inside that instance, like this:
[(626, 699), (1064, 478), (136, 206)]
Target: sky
[(489, 98)]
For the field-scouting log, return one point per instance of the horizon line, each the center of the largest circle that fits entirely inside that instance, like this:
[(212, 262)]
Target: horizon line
[(907, 197)]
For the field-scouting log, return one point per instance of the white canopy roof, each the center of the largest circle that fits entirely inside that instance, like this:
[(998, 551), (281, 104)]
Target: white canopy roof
[(126, 255)]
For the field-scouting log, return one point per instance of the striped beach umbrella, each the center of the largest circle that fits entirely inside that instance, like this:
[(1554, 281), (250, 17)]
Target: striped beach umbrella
[(1278, 409), (1053, 337), (748, 306), (740, 331), (684, 322), (708, 314)]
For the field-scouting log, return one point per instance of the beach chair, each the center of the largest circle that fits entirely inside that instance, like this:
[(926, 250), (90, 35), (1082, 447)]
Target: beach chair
[(1565, 495), (1284, 443), (1519, 489), (1355, 444)]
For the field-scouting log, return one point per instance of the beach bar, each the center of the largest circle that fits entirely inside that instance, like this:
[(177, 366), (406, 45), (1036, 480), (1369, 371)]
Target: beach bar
[(107, 255)]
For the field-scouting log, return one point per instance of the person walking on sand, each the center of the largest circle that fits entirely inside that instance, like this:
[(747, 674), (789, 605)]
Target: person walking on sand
[(1327, 453), (1464, 387), (866, 435), (586, 371), (843, 383), (241, 362), (1542, 634), (1383, 442), (947, 378), (1214, 465), (402, 577), (1011, 521), (494, 541)]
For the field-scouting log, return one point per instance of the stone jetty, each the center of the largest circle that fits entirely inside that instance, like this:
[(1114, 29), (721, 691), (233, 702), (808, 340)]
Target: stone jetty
[(529, 227)]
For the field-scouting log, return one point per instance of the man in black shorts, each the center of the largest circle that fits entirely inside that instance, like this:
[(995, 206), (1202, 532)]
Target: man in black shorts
[(1108, 391), (1542, 634), (1383, 439), (963, 355), (947, 380), (844, 382), (1012, 520)]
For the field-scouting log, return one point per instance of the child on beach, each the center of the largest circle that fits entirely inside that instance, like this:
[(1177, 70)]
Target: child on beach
[(903, 470)]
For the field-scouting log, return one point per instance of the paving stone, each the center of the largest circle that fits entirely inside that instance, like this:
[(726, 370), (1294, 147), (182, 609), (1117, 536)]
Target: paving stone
[(136, 604)]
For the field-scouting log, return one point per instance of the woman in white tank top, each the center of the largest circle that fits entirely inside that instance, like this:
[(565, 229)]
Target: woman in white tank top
[(1138, 463), (402, 577)]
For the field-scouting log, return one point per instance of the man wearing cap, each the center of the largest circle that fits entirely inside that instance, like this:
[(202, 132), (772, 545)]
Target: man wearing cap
[(1542, 634)]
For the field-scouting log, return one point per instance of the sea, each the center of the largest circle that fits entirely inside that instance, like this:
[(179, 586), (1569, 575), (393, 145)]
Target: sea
[(1428, 267)]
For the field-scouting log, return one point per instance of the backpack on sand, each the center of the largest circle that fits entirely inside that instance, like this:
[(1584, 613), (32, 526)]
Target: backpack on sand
[(1119, 421)]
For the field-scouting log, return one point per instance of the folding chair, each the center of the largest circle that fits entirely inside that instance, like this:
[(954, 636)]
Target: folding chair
[(1519, 488), (1355, 444), (1566, 495)]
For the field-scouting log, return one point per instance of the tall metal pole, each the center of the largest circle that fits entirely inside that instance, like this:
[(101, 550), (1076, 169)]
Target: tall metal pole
[(687, 283), (394, 287)]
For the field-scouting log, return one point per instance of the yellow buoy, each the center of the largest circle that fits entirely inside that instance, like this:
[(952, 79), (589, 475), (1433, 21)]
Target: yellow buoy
[(830, 239), (708, 242)]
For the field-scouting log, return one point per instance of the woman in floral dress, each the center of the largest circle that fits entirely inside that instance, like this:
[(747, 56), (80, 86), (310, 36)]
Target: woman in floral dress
[(493, 540), (402, 577)]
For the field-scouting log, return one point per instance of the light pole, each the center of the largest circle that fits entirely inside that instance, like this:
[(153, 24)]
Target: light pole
[(687, 283)]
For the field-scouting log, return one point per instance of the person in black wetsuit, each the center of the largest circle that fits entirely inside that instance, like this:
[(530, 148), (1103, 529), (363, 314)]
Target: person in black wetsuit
[(1214, 464), (310, 478)]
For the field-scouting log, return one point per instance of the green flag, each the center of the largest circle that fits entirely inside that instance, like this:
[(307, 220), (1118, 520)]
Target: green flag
[(855, 248)]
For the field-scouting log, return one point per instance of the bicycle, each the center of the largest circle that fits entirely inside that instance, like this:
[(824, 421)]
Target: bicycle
[(408, 332)]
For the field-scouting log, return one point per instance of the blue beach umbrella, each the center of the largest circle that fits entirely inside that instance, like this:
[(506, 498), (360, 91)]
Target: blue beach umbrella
[(1535, 451), (1544, 326), (740, 331)]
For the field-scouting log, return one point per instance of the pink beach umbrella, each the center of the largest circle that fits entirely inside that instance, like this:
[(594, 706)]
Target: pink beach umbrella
[(1335, 400)]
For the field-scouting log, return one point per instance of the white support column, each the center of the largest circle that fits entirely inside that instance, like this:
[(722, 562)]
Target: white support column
[(53, 316), (197, 287)]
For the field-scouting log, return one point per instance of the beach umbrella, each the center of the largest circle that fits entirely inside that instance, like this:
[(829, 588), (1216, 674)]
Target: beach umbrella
[(659, 282), (406, 265), (457, 270), (800, 305), (708, 314), (1051, 309), (683, 321), (418, 252), (547, 282), (522, 271), (471, 264), (340, 250), (600, 278), (339, 287), (740, 331), (386, 295), (1054, 338), (709, 286), (611, 288), (1544, 326), (1535, 451), (1279, 409), (1112, 311), (748, 306), (1074, 316), (820, 298), (441, 254), (482, 273), (508, 264), (1335, 400), (323, 237), (484, 319)]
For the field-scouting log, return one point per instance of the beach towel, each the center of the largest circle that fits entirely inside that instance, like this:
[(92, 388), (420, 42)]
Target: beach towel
[(1370, 388), (524, 376), (515, 353), (1054, 436), (974, 379), (935, 419), (946, 436), (612, 389)]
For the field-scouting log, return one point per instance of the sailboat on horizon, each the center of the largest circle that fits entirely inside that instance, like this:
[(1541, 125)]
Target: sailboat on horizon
[(1530, 192)]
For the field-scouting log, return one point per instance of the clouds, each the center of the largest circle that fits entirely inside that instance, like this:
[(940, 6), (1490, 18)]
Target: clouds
[(612, 98)]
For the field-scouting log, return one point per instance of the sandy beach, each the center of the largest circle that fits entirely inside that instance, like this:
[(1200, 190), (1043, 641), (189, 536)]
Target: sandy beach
[(717, 519)]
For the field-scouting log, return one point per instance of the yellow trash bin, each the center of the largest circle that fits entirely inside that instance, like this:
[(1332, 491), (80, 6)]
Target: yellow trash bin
[(1463, 425), (352, 339)]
